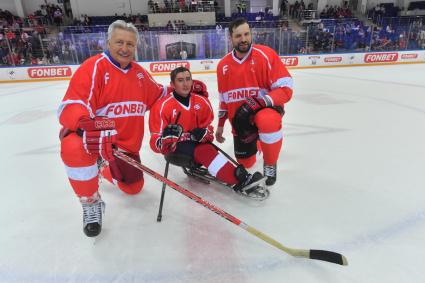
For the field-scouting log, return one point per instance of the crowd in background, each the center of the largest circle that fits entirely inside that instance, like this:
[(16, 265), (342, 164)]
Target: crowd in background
[(178, 6), (41, 38)]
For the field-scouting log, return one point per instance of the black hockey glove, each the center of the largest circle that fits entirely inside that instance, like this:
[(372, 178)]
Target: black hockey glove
[(170, 137), (202, 135), (243, 120)]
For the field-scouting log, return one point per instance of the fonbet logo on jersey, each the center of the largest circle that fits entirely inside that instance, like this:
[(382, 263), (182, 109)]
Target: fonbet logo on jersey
[(49, 72), (239, 94), (161, 67), (122, 109)]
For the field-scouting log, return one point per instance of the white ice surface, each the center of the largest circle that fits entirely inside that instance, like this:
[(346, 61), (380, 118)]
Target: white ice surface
[(350, 179)]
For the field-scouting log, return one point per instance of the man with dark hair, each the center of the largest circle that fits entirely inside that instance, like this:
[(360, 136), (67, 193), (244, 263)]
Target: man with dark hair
[(253, 85), (180, 125)]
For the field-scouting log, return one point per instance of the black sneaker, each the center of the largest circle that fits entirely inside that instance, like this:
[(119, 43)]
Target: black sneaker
[(270, 173)]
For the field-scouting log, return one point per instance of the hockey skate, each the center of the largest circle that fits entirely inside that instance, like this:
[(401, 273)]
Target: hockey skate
[(270, 171), (93, 208), (252, 185)]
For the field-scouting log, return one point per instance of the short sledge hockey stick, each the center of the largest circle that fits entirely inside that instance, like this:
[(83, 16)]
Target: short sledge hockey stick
[(161, 202), (328, 256)]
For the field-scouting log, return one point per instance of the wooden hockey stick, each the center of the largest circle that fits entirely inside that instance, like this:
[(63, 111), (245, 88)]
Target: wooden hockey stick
[(328, 256)]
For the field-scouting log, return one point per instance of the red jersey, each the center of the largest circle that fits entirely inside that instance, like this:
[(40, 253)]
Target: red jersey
[(259, 73), (100, 88), (198, 114)]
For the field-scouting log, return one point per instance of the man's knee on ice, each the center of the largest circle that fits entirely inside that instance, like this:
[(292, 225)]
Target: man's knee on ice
[(133, 188), (73, 153), (124, 172), (268, 120)]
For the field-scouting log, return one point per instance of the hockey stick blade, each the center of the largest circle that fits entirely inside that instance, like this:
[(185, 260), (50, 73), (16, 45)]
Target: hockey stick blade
[(311, 254), (328, 256), (323, 255)]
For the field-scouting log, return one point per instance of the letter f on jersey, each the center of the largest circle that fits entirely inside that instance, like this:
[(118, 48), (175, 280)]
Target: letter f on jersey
[(225, 67), (106, 78)]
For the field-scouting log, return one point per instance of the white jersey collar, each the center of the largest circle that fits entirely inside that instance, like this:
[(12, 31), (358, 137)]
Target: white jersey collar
[(240, 61)]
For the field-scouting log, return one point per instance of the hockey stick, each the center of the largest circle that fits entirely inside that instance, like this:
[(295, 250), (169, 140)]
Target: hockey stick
[(328, 256), (161, 202)]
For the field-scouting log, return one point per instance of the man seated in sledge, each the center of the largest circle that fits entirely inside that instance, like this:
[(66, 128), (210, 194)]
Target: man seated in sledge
[(180, 126)]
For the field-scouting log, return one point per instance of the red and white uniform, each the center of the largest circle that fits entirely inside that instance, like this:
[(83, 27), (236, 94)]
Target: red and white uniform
[(198, 114), (260, 73), (100, 87)]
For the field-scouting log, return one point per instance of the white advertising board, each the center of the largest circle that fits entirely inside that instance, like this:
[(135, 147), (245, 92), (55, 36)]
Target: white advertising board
[(161, 68)]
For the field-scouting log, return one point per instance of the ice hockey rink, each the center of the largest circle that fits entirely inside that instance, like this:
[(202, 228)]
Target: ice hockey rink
[(350, 179)]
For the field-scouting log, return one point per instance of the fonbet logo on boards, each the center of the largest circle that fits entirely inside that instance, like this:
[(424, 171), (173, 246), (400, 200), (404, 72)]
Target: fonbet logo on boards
[(49, 72), (381, 57), (289, 60), (161, 67), (334, 59), (409, 56)]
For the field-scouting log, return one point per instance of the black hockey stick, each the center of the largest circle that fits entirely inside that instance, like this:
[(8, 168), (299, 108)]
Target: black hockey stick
[(159, 217), (161, 202), (328, 256)]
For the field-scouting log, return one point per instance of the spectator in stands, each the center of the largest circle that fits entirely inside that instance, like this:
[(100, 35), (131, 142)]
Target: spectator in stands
[(218, 28), (44, 13), (11, 36), (421, 39), (182, 5), (193, 5), (55, 59), (283, 7), (401, 43), (57, 16), (169, 26), (239, 7), (151, 6), (310, 6), (33, 60)]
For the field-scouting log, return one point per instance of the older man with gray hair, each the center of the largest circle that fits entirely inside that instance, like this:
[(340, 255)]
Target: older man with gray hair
[(104, 107)]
